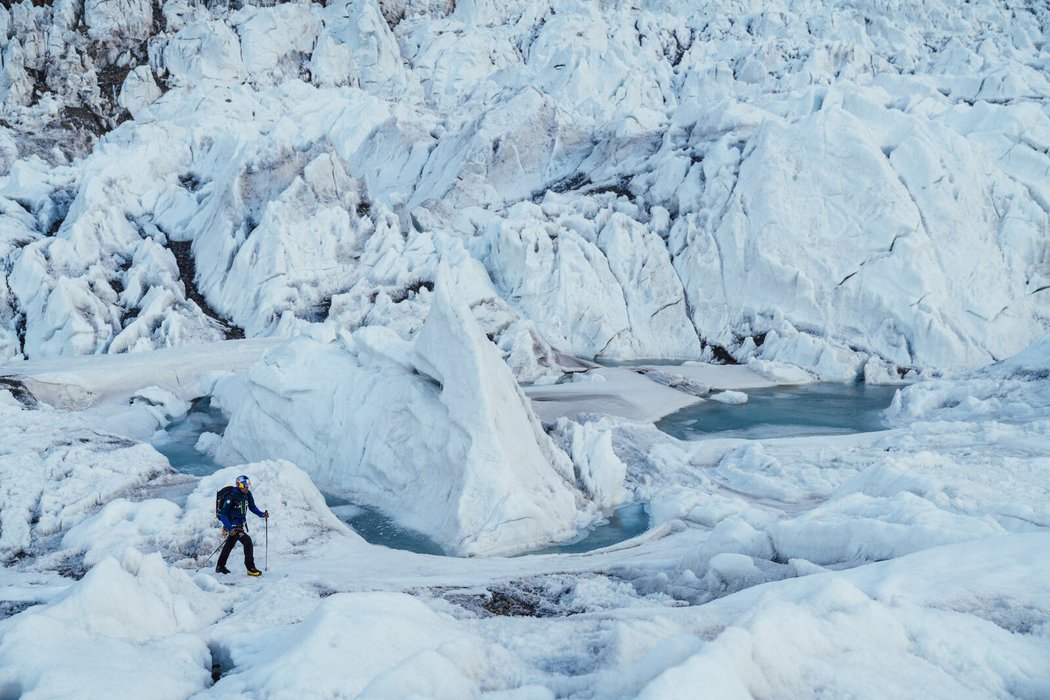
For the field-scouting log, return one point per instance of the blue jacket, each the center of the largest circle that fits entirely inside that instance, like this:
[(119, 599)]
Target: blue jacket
[(235, 506)]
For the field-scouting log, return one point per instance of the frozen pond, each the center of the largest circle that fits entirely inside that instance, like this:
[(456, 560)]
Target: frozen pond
[(784, 411), (178, 442), (624, 523), (377, 528)]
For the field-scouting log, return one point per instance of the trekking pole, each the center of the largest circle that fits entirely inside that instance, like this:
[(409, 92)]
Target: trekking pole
[(211, 555), (266, 547)]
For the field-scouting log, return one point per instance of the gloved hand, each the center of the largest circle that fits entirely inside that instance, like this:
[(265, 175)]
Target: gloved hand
[(234, 532), (223, 532), (266, 514)]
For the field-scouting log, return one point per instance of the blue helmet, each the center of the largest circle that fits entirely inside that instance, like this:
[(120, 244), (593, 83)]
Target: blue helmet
[(243, 482)]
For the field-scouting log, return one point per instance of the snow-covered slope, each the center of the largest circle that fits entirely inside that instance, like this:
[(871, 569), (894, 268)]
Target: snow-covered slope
[(855, 188)]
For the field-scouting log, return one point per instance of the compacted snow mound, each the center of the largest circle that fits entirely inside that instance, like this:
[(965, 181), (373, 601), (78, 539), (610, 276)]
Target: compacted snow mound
[(373, 645), (124, 617), (56, 472), (435, 431), (298, 512), (957, 621)]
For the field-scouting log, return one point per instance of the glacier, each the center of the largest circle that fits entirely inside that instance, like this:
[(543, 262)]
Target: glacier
[(453, 260)]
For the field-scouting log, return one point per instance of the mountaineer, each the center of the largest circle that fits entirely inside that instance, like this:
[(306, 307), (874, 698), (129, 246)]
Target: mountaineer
[(232, 504)]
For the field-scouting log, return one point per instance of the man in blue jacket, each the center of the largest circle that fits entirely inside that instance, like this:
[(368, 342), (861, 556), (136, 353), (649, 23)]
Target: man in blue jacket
[(233, 513)]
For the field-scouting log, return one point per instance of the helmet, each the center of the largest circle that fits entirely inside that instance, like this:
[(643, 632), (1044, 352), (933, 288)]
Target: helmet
[(243, 482)]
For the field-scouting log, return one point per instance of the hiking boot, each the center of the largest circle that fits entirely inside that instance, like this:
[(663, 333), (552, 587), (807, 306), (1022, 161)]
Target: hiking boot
[(254, 572), (221, 570)]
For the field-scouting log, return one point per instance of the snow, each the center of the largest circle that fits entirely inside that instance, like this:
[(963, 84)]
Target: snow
[(730, 397), (184, 373), (451, 261), (911, 556), (618, 391), (374, 644), (119, 620), (914, 615)]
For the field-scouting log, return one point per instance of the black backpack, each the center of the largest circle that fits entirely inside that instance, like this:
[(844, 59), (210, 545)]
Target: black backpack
[(220, 496)]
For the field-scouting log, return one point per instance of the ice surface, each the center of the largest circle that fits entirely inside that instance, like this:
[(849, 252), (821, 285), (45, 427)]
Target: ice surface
[(410, 209), (910, 555)]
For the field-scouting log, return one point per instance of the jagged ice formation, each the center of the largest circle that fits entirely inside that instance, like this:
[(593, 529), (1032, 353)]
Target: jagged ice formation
[(856, 189)]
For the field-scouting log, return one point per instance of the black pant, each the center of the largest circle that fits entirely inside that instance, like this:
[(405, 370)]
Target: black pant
[(249, 549)]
